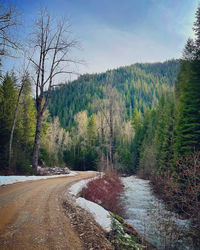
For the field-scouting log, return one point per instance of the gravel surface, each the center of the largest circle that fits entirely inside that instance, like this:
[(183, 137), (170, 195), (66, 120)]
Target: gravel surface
[(32, 216)]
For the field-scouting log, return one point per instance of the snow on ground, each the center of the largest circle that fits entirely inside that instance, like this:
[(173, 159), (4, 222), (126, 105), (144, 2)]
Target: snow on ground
[(77, 187), (101, 215), (4, 180)]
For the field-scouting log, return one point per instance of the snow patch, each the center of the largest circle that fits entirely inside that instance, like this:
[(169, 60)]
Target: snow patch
[(101, 215), (4, 180), (77, 187)]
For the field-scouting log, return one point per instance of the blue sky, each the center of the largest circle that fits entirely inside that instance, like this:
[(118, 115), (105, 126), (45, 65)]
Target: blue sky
[(115, 33)]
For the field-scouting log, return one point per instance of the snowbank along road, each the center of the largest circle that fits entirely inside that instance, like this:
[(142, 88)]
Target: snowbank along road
[(32, 215)]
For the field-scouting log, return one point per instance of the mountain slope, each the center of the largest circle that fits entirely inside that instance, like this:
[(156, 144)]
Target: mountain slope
[(140, 85)]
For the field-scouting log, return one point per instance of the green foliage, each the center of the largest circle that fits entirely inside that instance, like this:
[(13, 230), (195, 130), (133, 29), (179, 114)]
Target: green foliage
[(122, 240), (22, 161), (23, 166), (26, 115), (172, 130), (126, 157), (188, 96), (24, 128), (153, 144), (44, 157), (136, 119), (7, 106), (140, 85), (91, 130), (188, 108), (85, 158)]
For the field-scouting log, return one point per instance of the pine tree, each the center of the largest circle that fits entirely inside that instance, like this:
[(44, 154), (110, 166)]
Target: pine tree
[(188, 114), (189, 50), (91, 130), (7, 107), (188, 96), (196, 29), (27, 115), (136, 119)]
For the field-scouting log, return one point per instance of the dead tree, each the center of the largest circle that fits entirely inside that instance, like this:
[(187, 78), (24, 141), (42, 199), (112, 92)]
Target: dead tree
[(113, 114), (52, 45), (112, 110)]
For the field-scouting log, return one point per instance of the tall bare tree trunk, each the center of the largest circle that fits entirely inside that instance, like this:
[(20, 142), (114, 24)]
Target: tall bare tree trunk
[(13, 124), (102, 139), (36, 142), (12, 132), (111, 137), (107, 163)]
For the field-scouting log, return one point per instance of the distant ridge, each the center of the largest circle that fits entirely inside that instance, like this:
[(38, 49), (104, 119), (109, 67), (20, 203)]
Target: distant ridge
[(140, 85)]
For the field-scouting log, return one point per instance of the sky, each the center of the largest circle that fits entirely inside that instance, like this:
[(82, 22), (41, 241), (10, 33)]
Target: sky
[(114, 33)]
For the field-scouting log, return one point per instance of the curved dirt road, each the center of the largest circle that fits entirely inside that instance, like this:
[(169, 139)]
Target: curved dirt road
[(32, 216)]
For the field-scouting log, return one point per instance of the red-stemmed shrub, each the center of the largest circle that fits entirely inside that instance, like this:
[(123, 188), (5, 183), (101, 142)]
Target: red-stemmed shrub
[(106, 191)]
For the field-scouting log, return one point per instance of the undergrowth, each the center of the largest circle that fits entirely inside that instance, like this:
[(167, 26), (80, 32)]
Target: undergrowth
[(120, 239), (106, 192)]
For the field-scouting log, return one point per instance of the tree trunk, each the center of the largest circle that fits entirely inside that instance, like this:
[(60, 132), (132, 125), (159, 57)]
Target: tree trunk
[(107, 163), (111, 139), (13, 127), (36, 142)]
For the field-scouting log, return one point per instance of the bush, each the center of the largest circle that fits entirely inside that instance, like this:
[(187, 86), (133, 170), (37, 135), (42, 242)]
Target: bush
[(44, 157), (181, 189), (23, 167), (120, 239), (106, 192), (47, 159)]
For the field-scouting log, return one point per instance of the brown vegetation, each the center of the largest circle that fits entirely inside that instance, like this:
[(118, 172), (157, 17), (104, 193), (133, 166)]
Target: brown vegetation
[(106, 192), (181, 189)]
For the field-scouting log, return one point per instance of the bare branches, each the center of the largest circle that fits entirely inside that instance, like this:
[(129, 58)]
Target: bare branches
[(9, 20), (51, 45)]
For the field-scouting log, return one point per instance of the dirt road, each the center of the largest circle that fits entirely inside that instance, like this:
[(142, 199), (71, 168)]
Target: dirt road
[(32, 216)]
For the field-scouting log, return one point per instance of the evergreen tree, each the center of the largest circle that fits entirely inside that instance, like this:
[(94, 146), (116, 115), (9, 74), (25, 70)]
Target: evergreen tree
[(189, 50), (91, 130), (188, 97), (188, 108), (7, 107), (196, 29), (27, 114)]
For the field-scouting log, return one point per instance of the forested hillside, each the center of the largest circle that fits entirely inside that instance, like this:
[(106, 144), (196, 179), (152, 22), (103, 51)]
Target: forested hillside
[(140, 87)]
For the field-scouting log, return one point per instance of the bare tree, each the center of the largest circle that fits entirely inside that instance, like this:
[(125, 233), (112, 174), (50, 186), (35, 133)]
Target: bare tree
[(111, 112), (52, 45), (9, 20), (114, 115)]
